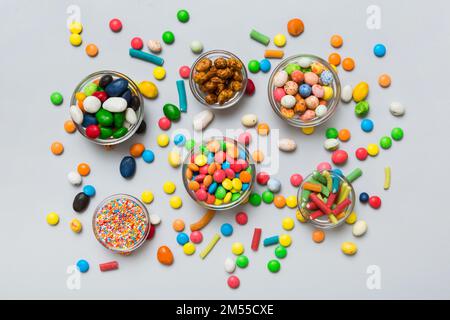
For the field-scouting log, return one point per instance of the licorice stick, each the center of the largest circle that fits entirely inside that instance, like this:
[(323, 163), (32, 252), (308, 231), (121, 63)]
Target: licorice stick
[(210, 246), (271, 241), (108, 266), (325, 191), (335, 187), (320, 204), (315, 215), (311, 206), (312, 187), (341, 206), (355, 174), (331, 199), (256, 239), (333, 218)]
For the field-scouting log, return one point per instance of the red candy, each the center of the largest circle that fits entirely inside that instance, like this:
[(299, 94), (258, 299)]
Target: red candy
[(115, 25), (137, 43), (164, 123), (230, 173), (262, 178), (361, 154), (233, 282), (196, 237), (245, 138), (184, 71), (250, 88), (93, 131), (107, 266), (375, 202), (339, 157), (151, 233), (211, 198), (219, 157), (219, 175), (201, 194), (101, 95), (256, 239), (296, 179), (241, 218)]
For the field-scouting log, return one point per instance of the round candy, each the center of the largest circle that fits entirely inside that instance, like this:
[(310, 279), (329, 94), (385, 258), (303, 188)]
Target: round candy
[(280, 252), (339, 157), (75, 225), (384, 80), (162, 140), (168, 37), (334, 59), (379, 50), (93, 131), (159, 73), (274, 266), (183, 15), (74, 178), (295, 27), (175, 202), (148, 156), (262, 178), (255, 199), (75, 27), (178, 225), (57, 148), (154, 46), (279, 201), (52, 218), (75, 39), (182, 238), (318, 236), (287, 223), (336, 41), (233, 282), (250, 88), (242, 261), (137, 43), (267, 197), (169, 187), (164, 123), (361, 154), (253, 66), (363, 197), (375, 202), (308, 130), (279, 40), (147, 196), (348, 64), (349, 248), (241, 218), (189, 248), (397, 134), (196, 47), (274, 185), (344, 135), (285, 240), (291, 201), (83, 266), (265, 65), (367, 125), (385, 142), (115, 25), (351, 219), (237, 248), (184, 72), (331, 133), (56, 98), (372, 149), (263, 129), (323, 166), (91, 50), (296, 179), (89, 190), (179, 140), (83, 169), (196, 237), (69, 126), (226, 229)]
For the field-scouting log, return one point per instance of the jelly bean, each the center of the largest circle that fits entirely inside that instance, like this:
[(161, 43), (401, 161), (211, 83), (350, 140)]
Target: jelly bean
[(154, 46), (105, 80), (274, 266), (295, 27), (226, 229), (347, 93), (241, 218), (367, 125), (52, 218), (174, 158), (116, 88), (83, 266), (120, 133), (361, 154), (360, 91), (168, 37), (127, 167), (182, 238), (171, 112), (75, 225), (287, 145), (148, 89), (165, 255), (80, 202), (142, 128), (115, 25), (375, 202), (76, 114), (202, 120), (359, 228), (114, 104), (349, 248), (379, 50)]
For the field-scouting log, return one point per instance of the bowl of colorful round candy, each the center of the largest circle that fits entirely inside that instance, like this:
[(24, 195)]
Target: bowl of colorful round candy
[(219, 173), (107, 107), (326, 198), (304, 90)]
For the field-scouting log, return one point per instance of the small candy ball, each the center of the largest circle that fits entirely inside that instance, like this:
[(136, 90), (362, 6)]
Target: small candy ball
[(237, 248), (89, 190), (318, 236), (267, 196), (183, 16), (372, 149), (196, 47), (56, 98), (159, 73), (75, 39), (253, 66), (305, 90), (375, 202), (344, 135), (348, 64), (91, 50), (279, 40), (295, 27), (285, 240), (274, 266), (250, 88), (274, 185), (69, 126), (189, 248), (385, 142), (75, 225), (163, 140), (83, 266), (280, 252), (297, 76), (366, 125), (93, 131), (52, 218), (379, 50), (363, 197), (148, 156), (361, 154), (184, 71), (287, 223), (255, 199), (168, 37), (196, 237), (331, 133), (147, 196), (178, 225), (339, 157), (154, 46), (175, 202), (336, 41), (397, 134), (384, 80), (74, 178), (351, 219), (265, 65), (179, 140), (115, 25), (169, 187), (278, 94), (296, 179), (57, 148), (233, 282), (291, 201), (182, 238), (349, 248), (76, 27), (241, 218), (137, 43), (83, 169), (308, 130), (164, 123), (324, 166), (262, 178), (226, 229), (242, 261), (321, 111)]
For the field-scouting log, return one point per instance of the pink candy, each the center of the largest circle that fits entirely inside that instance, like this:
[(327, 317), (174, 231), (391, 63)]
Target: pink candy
[(245, 138), (196, 237), (184, 72), (324, 166), (311, 78), (219, 175), (278, 93), (296, 179)]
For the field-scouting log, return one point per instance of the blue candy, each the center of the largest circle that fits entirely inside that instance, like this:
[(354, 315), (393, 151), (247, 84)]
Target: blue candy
[(179, 140), (245, 186), (127, 96), (88, 119), (182, 238), (226, 229), (210, 158), (338, 172), (271, 241), (212, 188), (225, 165), (242, 154), (379, 50), (326, 77), (366, 125), (363, 197), (89, 190), (264, 65), (148, 156), (305, 90), (83, 266), (116, 88), (127, 167)]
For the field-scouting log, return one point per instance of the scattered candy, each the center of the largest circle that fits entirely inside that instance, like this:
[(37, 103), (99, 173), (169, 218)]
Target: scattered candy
[(189, 248), (261, 38), (154, 46), (109, 266), (271, 241), (349, 248), (184, 72), (233, 282), (280, 252), (361, 154), (348, 64), (279, 40), (83, 169), (91, 50), (182, 238), (295, 27), (83, 266), (375, 202), (379, 50), (256, 239), (148, 156), (127, 167), (226, 229), (339, 157), (183, 16), (249, 120), (52, 218), (237, 248), (384, 80), (318, 236), (397, 109), (385, 142), (74, 178), (397, 134), (359, 228), (57, 148), (56, 98), (147, 197), (274, 266), (387, 178), (196, 237), (287, 145), (372, 149), (89, 190), (168, 37), (163, 140), (336, 41), (363, 197), (210, 246), (207, 217), (351, 218), (241, 218), (367, 125), (242, 261), (115, 25), (202, 120), (229, 265), (196, 47), (165, 255), (264, 66), (287, 224)]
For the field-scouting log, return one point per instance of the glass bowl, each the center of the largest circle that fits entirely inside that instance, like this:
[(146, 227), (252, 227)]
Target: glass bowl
[(331, 104), (212, 151), (132, 86), (201, 96), (112, 219), (323, 221)]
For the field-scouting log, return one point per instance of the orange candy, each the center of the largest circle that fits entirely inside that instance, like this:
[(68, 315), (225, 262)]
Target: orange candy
[(295, 27), (69, 126), (164, 255), (318, 236), (137, 149), (80, 96), (83, 169), (384, 80), (348, 64), (57, 148), (245, 177), (344, 135), (193, 185), (258, 156), (279, 201), (263, 129), (336, 41), (334, 59), (91, 50), (178, 225)]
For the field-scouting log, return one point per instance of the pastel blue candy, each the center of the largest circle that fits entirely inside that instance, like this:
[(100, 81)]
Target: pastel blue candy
[(338, 172), (379, 50), (89, 190), (271, 241), (127, 167), (226, 229), (127, 96), (305, 90), (182, 238), (116, 88), (179, 140), (274, 185), (210, 158), (245, 186), (225, 165), (212, 188), (88, 119), (83, 266), (148, 156), (138, 54), (326, 77), (265, 65), (367, 125)]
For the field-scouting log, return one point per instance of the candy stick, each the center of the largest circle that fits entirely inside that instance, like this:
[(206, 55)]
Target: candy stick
[(270, 241), (108, 266), (355, 174), (317, 176), (273, 54), (331, 199), (343, 193), (210, 246), (327, 176), (138, 54), (182, 95), (325, 191), (341, 206), (305, 195), (261, 38), (320, 204), (256, 239), (311, 206), (200, 224), (312, 187), (333, 218), (315, 215), (387, 178), (335, 187)]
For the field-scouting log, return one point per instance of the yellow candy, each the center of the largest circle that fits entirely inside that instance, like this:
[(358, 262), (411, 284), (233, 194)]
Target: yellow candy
[(237, 248), (287, 223), (317, 68), (227, 184), (76, 27), (159, 73), (75, 225), (300, 217), (349, 248), (147, 196), (291, 201), (237, 184), (360, 92), (52, 218), (175, 202), (285, 240), (169, 187), (148, 89), (308, 130), (200, 160), (372, 149), (174, 159), (227, 198), (218, 202), (75, 39), (327, 93), (163, 140), (80, 96), (351, 219), (279, 40), (189, 248)]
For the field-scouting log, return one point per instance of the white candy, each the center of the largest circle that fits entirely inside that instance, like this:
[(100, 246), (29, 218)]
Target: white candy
[(280, 78), (347, 93), (249, 120), (274, 185), (359, 228), (154, 46), (331, 144), (304, 62), (92, 104), (230, 265), (202, 120), (287, 145), (397, 109), (288, 101), (321, 111), (130, 116), (115, 104), (154, 219), (76, 114), (74, 178), (196, 46)]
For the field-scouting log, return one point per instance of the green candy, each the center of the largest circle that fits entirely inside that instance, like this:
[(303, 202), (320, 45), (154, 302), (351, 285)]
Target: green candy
[(280, 252), (171, 112), (190, 144), (385, 142), (119, 133), (362, 109), (223, 145), (267, 196), (305, 70), (397, 134), (105, 133), (253, 66), (235, 196), (119, 119), (274, 266), (183, 16), (104, 117), (90, 89), (255, 199), (242, 261), (168, 37), (56, 98), (291, 67), (331, 133), (221, 192), (203, 149)]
